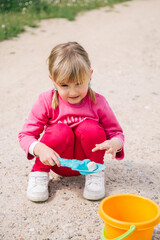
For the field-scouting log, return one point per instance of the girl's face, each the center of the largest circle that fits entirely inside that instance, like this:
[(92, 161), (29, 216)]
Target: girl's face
[(73, 92)]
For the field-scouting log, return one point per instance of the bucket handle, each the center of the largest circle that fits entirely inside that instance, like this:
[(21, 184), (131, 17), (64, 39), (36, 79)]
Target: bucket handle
[(130, 231)]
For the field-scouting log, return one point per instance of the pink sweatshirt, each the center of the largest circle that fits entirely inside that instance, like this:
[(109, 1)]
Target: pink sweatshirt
[(42, 115)]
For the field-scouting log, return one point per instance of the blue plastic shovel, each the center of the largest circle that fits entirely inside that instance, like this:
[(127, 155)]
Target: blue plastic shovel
[(80, 166)]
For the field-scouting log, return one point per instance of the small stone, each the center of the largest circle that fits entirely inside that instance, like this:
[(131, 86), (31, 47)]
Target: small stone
[(31, 229), (140, 181), (91, 166)]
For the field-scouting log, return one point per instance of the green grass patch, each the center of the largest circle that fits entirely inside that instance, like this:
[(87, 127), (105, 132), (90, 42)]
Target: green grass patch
[(16, 14)]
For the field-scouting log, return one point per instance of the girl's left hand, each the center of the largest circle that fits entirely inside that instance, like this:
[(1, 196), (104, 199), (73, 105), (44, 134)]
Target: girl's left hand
[(110, 146)]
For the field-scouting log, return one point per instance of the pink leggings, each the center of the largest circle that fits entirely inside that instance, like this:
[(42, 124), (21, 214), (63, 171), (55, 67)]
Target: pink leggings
[(75, 143)]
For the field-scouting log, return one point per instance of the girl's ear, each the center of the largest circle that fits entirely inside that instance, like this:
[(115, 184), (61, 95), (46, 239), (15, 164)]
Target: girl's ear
[(91, 72), (50, 77), (53, 82)]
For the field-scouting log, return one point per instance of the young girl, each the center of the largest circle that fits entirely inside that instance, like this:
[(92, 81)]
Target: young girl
[(78, 123)]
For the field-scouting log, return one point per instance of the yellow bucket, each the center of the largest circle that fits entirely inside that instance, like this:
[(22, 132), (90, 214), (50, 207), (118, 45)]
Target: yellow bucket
[(129, 217)]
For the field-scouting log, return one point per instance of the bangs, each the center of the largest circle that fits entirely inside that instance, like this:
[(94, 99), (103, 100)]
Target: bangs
[(70, 69)]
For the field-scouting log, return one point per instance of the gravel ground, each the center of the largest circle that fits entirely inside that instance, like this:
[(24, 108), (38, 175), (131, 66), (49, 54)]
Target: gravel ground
[(124, 48)]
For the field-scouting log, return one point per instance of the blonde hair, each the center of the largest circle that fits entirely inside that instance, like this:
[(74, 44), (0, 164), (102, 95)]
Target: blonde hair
[(69, 61)]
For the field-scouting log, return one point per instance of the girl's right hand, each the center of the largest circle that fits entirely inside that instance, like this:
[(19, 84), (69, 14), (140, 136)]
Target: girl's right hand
[(46, 154)]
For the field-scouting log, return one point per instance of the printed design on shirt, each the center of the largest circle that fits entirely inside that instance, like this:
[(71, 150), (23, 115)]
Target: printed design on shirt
[(69, 120)]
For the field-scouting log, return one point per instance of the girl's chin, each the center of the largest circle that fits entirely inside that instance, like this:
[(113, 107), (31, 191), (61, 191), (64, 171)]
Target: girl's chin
[(76, 100)]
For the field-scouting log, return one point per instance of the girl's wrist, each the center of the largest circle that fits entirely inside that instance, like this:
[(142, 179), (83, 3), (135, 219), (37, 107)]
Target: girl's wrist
[(32, 146), (118, 144), (37, 149)]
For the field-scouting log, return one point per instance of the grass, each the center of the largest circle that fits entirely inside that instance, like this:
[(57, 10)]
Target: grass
[(16, 14)]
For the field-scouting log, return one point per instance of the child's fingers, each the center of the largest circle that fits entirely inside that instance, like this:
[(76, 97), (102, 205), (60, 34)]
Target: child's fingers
[(56, 161), (100, 147), (113, 155), (51, 162), (96, 148), (110, 151), (57, 155)]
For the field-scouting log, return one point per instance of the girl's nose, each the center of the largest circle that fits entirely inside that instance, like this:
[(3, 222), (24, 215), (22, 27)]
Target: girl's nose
[(73, 91)]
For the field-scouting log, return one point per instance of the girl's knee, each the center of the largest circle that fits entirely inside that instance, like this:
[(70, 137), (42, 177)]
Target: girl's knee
[(59, 133), (65, 132), (91, 129)]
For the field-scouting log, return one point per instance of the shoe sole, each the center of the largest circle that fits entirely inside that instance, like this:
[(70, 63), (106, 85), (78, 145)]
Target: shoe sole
[(37, 199), (93, 197)]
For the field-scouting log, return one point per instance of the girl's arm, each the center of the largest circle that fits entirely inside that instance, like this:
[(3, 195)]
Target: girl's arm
[(114, 133), (34, 126)]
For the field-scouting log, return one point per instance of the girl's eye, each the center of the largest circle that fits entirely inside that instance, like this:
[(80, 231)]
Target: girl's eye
[(64, 85)]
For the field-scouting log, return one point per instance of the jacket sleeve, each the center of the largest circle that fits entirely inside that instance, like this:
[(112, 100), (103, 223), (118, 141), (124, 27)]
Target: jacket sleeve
[(34, 126), (111, 126)]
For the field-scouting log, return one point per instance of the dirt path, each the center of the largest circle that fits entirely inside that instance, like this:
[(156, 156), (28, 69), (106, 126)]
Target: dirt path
[(124, 48)]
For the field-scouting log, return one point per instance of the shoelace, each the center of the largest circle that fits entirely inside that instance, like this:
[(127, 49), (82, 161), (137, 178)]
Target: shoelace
[(96, 179), (40, 180)]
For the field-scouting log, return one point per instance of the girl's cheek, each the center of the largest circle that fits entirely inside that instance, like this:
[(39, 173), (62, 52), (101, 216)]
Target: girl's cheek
[(62, 91)]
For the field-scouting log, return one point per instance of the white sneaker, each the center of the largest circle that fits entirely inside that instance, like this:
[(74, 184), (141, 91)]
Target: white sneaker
[(37, 190), (94, 186)]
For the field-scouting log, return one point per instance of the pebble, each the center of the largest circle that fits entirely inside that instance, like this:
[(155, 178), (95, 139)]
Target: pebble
[(91, 166), (31, 229)]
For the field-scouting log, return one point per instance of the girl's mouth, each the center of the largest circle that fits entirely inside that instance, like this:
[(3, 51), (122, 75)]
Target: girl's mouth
[(74, 97)]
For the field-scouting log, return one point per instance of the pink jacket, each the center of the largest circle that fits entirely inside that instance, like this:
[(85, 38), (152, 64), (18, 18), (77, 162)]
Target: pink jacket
[(42, 116)]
